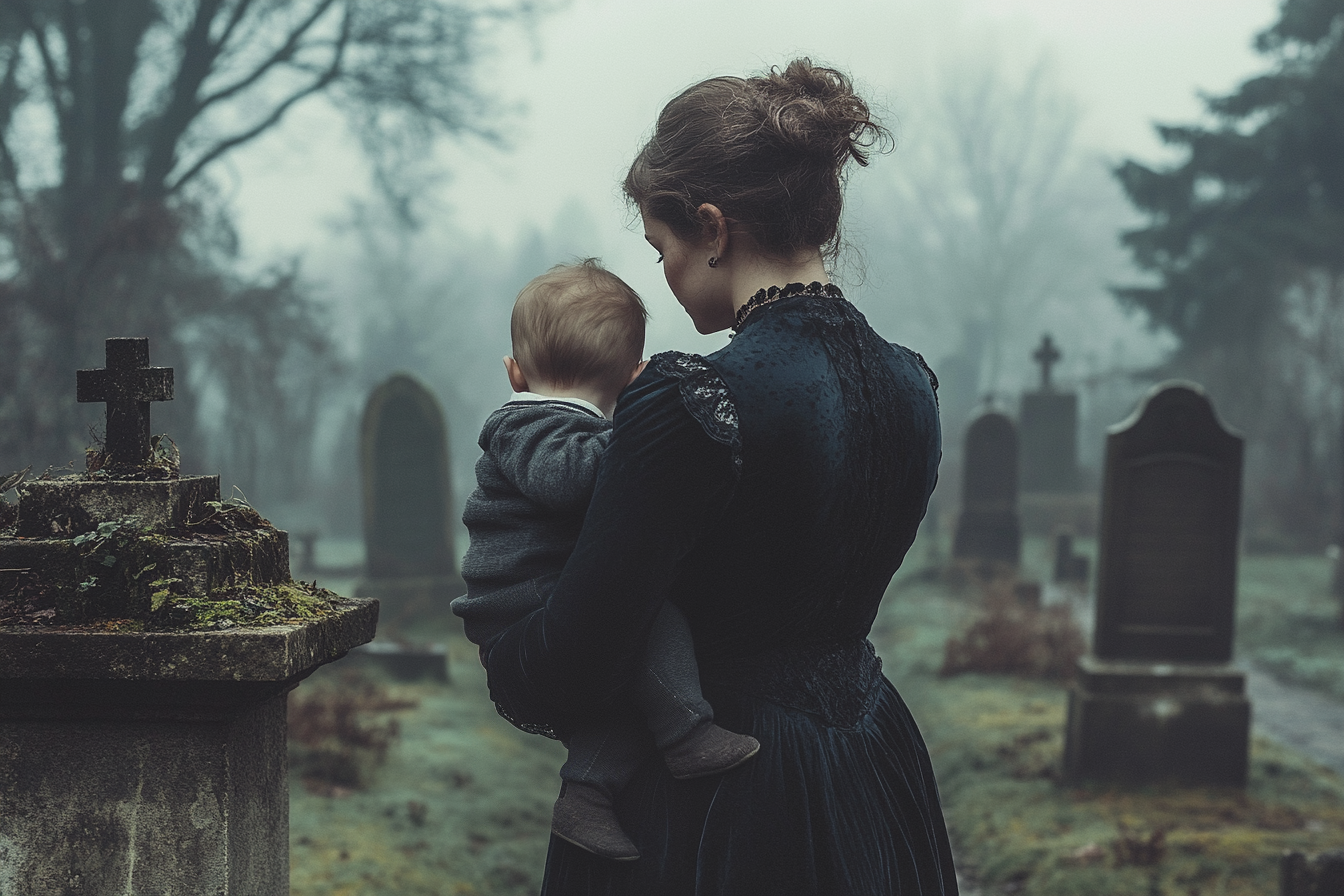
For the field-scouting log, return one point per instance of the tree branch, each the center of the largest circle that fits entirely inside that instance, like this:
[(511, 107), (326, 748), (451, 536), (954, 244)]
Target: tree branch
[(320, 83), (198, 56), (55, 84), (282, 54), (239, 12)]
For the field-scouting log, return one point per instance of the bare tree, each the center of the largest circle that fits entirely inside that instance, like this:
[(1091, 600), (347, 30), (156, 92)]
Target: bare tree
[(112, 115), (994, 223)]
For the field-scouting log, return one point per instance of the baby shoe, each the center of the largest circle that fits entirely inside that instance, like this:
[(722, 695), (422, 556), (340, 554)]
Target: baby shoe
[(708, 750), (584, 816)]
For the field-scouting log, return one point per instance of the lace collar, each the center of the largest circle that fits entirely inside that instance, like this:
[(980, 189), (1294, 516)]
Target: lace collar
[(775, 293)]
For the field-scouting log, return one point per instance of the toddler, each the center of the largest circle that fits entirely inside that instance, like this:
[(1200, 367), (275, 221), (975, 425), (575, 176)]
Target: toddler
[(578, 336)]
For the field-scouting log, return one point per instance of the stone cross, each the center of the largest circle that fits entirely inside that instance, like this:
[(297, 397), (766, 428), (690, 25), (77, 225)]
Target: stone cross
[(1046, 356), (128, 384)]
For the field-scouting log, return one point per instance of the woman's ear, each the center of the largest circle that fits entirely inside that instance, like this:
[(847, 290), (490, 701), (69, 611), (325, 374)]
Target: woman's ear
[(716, 229), (516, 378)]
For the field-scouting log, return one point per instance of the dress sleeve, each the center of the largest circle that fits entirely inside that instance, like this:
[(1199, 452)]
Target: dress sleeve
[(666, 476)]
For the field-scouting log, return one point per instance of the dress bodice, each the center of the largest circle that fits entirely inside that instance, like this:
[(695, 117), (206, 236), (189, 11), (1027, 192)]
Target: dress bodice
[(770, 490)]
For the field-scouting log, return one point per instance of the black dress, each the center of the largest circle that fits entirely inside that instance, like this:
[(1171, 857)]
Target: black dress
[(770, 490)]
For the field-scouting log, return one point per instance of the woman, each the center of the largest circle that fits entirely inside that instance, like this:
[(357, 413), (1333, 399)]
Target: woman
[(770, 490)]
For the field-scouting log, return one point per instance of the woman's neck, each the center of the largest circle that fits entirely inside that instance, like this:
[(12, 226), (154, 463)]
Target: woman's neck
[(748, 275)]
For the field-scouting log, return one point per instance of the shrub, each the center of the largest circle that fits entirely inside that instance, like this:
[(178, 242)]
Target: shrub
[(1010, 637)]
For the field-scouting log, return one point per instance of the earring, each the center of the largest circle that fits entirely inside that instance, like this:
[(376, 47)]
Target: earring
[(714, 261)]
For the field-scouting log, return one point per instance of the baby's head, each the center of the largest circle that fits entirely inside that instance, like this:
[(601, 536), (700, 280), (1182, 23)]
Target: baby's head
[(577, 329)]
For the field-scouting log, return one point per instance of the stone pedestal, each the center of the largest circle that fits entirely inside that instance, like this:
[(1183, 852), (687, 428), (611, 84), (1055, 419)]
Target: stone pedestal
[(1142, 722), (154, 762)]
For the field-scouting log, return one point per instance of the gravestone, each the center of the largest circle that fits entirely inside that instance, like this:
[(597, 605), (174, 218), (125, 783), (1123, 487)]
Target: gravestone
[(148, 636), (987, 530), (1070, 568), (410, 558), (1157, 698), (1051, 482)]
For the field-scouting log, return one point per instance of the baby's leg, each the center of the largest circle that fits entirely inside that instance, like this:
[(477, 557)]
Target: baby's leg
[(681, 720), (602, 759)]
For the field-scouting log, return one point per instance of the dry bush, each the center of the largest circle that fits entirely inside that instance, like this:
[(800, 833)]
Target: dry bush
[(1010, 637), (1133, 848), (334, 747)]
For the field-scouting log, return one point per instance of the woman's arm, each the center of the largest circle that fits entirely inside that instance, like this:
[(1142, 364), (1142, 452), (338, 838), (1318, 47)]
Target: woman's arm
[(663, 481)]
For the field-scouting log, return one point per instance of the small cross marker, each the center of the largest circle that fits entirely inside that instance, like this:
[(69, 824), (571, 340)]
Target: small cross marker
[(128, 384), (1046, 356)]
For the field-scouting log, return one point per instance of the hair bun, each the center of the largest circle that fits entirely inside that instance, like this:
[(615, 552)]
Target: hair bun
[(815, 111)]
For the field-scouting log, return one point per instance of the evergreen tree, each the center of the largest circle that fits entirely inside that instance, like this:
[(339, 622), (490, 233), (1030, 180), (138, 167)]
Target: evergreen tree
[(1245, 238)]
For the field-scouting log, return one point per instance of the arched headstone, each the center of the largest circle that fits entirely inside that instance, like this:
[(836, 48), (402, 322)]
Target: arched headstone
[(407, 496), (988, 529), (410, 559), (1158, 699)]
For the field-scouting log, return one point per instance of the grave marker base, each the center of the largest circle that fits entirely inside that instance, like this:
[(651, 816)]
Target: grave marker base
[(1138, 722), (153, 762)]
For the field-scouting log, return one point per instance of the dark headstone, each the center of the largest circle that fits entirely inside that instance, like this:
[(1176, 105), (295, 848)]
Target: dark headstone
[(410, 561), (1070, 568), (1167, 576), (988, 529), (407, 497), (1157, 699), (1318, 875), (1049, 442), (1051, 482)]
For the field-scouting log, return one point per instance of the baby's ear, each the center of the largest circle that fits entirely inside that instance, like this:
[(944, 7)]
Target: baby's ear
[(516, 378), (639, 368)]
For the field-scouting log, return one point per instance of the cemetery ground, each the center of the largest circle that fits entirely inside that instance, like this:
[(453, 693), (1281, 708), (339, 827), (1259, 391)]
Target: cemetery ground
[(430, 792)]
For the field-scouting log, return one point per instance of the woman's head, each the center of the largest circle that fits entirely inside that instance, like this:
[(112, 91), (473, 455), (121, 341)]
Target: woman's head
[(769, 152)]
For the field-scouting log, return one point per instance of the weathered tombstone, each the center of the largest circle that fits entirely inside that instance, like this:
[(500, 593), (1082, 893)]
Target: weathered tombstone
[(987, 530), (1157, 698), (410, 561), (1318, 875), (1070, 568), (1051, 482), (152, 634)]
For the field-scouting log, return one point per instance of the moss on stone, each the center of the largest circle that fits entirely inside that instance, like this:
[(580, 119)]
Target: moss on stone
[(244, 605)]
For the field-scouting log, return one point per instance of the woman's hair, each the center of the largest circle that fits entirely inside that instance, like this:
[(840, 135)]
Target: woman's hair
[(578, 324), (769, 151)]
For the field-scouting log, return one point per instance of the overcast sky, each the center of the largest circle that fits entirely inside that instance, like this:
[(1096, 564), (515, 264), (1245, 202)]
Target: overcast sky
[(594, 76)]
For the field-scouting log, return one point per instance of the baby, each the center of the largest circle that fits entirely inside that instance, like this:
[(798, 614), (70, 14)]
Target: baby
[(578, 336)]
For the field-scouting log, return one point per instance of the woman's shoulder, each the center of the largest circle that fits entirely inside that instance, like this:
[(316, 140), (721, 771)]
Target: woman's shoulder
[(683, 384)]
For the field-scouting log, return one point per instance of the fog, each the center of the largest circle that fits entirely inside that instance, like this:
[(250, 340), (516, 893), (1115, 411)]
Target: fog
[(1066, 91), (995, 219)]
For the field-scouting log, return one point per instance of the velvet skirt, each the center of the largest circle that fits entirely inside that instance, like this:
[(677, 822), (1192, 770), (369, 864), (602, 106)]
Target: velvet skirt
[(829, 807)]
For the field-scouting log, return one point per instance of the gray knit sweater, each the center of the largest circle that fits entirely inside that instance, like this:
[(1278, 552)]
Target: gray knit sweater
[(533, 485)]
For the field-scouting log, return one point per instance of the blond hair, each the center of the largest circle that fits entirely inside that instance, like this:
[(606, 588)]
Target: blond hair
[(578, 324)]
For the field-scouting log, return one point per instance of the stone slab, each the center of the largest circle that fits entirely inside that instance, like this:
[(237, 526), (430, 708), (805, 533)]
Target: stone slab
[(72, 506), (1145, 723), (269, 653)]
